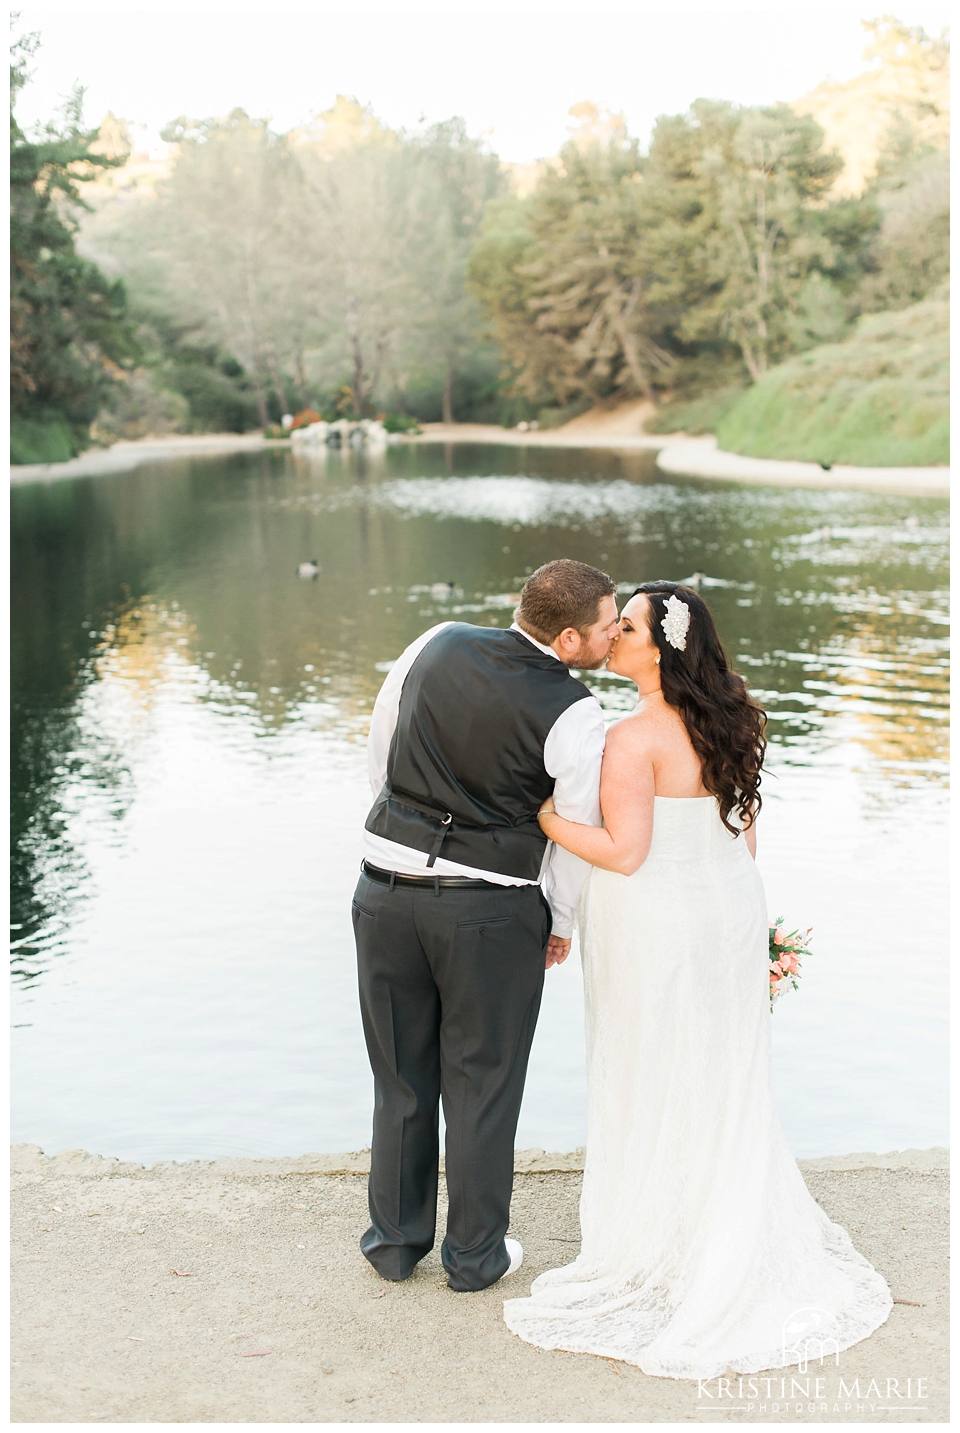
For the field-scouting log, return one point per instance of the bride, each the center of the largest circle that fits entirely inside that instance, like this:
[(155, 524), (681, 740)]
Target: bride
[(702, 1251)]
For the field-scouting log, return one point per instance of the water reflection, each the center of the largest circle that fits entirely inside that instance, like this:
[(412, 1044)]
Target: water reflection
[(160, 626)]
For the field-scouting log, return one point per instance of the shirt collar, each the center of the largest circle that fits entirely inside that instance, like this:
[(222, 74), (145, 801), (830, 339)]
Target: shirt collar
[(547, 651)]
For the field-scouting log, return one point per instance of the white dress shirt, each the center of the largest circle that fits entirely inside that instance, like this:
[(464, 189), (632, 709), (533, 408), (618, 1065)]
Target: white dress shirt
[(572, 755)]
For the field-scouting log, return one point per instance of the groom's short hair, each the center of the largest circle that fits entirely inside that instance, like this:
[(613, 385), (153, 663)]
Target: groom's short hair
[(562, 594)]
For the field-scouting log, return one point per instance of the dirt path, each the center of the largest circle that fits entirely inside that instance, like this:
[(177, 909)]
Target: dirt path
[(620, 428), (276, 1317)]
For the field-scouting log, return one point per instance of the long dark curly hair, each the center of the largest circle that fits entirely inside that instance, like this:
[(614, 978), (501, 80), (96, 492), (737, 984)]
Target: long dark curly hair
[(724, 723)]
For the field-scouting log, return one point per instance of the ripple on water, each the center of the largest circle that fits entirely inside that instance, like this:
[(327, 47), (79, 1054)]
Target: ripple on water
[(189, 777)]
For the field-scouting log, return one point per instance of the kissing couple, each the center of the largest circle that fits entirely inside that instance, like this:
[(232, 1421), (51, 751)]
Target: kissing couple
[(504, 812)]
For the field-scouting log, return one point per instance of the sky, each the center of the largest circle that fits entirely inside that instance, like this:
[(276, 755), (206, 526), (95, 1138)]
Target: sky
[(511, 73)]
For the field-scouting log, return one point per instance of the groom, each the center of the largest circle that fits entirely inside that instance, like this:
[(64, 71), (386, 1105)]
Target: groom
[(460, 907)]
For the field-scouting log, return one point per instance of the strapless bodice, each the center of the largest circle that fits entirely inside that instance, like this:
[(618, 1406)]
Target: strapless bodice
[(688, 828)]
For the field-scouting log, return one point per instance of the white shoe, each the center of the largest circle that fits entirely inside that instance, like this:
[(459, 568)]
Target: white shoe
[(515, 1250)]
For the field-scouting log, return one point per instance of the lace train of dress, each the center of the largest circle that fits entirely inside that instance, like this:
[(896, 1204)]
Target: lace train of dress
[(702, 1249)]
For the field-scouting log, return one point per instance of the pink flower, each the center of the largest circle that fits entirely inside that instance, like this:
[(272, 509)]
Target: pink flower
[(788, 950)]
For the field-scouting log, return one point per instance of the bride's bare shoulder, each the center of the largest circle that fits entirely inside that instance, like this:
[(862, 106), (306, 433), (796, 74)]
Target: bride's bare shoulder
[(631, 733), (654, 731)]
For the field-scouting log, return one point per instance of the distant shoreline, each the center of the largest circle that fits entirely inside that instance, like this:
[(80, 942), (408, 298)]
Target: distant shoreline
[(81, 1164), (702, 458), (677, 454), (125, 456), (572, 435)]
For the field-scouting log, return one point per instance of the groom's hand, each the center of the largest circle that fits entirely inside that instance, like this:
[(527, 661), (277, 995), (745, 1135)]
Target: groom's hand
[(557, 950)]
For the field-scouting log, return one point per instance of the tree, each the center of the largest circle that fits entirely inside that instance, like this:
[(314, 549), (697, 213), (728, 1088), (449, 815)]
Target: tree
[(222, 236), (907, 85), (767, 253), (499, 277), (911, 182), (355, 236), (912, 252), (715, 255), (69, 329), (559, 274), (456, 180), (330, 261), (207, 255)]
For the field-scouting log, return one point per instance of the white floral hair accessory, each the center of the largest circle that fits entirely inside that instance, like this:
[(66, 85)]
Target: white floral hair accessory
[(676, 624)]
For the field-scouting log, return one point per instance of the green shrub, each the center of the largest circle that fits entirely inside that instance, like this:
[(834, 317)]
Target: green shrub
[(694, 415), (880, 399), (511, 411), (138, 407), (400, 423), (556, 417), (39, 440), (216, 387)]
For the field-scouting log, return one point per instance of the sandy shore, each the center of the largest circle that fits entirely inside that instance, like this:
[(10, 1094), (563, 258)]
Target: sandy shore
[(275, 1317), (619, 430), (125, 456), (702, 458)]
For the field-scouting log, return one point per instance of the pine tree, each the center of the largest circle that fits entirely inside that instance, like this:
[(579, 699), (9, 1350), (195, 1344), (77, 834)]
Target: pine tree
[(703, 262), (68, 323), (560, 279)]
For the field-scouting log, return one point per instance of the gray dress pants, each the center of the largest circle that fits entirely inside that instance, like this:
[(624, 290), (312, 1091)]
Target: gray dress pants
[(450, 985)]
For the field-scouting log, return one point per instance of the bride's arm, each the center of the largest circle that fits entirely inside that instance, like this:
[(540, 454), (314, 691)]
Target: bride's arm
[(750, 836), (626, 799)]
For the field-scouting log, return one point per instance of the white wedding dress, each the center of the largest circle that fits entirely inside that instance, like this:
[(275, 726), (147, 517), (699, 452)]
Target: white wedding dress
[(702, 1249)]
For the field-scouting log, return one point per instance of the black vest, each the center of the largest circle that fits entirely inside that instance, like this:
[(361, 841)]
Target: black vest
[(465, 774)]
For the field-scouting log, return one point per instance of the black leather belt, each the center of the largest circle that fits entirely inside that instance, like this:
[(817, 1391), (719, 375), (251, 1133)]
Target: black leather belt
[(392, 878)]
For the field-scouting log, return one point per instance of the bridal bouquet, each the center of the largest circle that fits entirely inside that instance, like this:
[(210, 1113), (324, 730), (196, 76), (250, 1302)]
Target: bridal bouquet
[(787, 949)]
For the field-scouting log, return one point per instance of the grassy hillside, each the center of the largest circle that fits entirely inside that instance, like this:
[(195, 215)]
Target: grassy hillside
[(879, 399), (695, 415)]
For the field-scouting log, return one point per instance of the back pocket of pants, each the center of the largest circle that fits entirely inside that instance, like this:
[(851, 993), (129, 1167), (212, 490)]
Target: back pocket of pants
[(480, 925)]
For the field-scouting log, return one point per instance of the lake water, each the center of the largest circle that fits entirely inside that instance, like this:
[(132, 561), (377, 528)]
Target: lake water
[(189, 782)]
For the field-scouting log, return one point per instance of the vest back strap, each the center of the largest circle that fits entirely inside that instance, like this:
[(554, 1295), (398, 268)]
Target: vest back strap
[(446, 821), (444, 818)]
